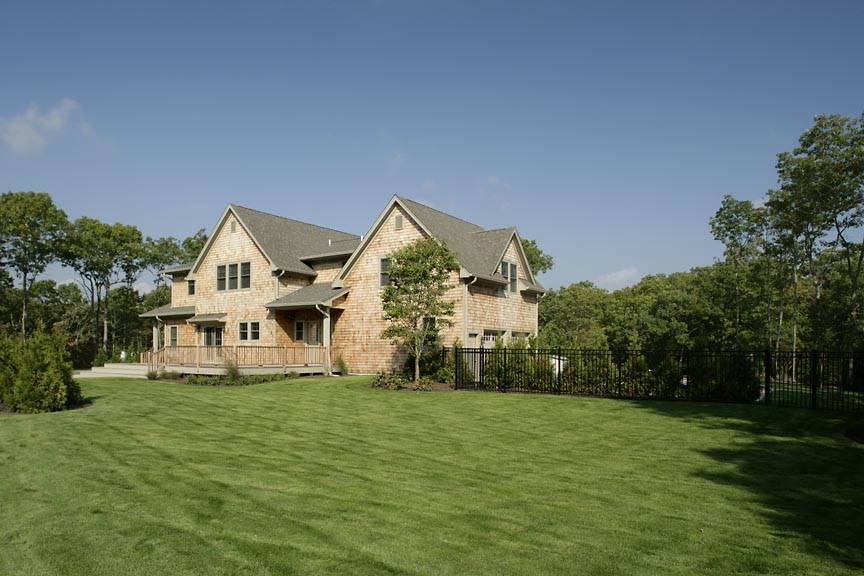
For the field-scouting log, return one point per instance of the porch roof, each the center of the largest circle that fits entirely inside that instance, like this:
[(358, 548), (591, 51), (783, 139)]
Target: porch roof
[(168, 312), (308, 297), (205, 318)]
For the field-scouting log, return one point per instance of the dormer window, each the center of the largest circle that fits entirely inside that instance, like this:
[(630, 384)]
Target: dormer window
[(508, 271)]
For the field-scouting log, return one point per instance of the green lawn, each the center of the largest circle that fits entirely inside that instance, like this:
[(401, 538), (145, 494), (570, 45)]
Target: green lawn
[(329, 476)]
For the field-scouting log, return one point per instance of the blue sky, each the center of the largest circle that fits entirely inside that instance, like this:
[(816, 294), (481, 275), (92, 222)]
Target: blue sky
[(608, 131)]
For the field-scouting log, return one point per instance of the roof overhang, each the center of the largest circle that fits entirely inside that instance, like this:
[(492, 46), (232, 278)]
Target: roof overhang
[(169, 312), (287, 303), (213, 318)]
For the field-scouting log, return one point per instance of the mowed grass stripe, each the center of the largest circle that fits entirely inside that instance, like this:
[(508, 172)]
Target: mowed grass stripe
[(329, 476)]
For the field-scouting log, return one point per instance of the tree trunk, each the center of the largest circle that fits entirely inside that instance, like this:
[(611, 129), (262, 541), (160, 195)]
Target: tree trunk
[(416, 365), (25, 295)]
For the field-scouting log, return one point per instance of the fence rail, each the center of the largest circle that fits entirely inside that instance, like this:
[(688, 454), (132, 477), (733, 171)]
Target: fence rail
[(813, 379)]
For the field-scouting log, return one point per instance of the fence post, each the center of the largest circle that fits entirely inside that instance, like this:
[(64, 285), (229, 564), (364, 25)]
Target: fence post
[(559, 366), (767, 375), (502, 384), (814, 377)]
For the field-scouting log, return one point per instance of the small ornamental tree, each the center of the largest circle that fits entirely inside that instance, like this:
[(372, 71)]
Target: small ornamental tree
[(413, 299)]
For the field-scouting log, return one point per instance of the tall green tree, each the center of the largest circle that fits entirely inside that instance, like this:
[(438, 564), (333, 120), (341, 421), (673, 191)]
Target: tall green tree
[(31, 228), (539, 260), (415, 307)]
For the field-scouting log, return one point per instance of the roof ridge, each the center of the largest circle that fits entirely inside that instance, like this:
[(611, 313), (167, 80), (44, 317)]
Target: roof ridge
[(495, 229), (442, 212), (235, 205)]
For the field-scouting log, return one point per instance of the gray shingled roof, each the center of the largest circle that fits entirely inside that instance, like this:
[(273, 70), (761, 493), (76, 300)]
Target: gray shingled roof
[(212, 317), (167, 312), (478, 250), (308, 296), (286, 242)]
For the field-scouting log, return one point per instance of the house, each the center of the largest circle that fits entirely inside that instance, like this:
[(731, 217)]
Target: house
[(269, 293)]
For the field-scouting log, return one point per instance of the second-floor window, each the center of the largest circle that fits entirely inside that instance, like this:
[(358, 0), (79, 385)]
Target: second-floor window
[(190, 286), (385, 271), (508, 270), (233, 276)]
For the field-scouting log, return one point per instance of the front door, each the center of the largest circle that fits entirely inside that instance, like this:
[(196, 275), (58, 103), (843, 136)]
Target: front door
[(213, 336)]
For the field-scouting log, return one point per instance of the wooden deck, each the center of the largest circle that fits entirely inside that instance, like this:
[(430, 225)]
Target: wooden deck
[(249, 359)]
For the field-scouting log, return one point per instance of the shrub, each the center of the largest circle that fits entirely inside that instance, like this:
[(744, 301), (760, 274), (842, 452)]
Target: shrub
[(341, 366), (240, 380), (152, 375), (170, 375), (291, 375), (430, 362), (232, 374), (389, 381), (422, 385), (101, 357), (36, 374)]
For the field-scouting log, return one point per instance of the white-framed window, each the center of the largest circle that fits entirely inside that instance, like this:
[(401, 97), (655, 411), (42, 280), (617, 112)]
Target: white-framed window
[(509, 271), (489, 336), (250, 331), (385, 272), (173, 336), (190, 287), (233, 276)]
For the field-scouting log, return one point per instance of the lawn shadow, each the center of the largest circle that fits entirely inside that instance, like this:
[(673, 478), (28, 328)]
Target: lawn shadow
[(807, 476)]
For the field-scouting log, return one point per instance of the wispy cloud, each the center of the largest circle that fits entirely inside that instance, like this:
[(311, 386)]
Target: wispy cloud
[(619, 278), (29, 132)]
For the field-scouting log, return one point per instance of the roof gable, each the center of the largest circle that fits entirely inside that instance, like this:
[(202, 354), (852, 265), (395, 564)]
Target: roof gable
[(284, 242), (478, 251)]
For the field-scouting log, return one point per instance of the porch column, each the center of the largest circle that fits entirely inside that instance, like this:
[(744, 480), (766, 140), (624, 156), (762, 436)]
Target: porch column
[(327, 364), (155, 336)]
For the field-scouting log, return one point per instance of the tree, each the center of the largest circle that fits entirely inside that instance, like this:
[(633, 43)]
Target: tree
[(414, 299), (192, 245), (740, 226), (103, 255), (30, 230), (538, 260)]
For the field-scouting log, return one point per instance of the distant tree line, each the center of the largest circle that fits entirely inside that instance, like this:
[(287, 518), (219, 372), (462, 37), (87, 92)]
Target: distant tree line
[(790, 277), (99, 314)]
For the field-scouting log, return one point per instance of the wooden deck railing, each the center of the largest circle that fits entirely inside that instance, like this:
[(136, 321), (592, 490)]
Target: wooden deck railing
[(240, 356)]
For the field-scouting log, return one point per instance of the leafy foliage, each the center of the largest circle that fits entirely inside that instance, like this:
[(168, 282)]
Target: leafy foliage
[(414, 302), (539, 260), (36, 374)]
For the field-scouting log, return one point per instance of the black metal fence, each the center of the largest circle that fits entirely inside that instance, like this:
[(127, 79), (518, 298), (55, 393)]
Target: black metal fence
[(823, 380)]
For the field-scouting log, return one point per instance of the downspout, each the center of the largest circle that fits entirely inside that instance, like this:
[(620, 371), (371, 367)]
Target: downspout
[(465, 295)]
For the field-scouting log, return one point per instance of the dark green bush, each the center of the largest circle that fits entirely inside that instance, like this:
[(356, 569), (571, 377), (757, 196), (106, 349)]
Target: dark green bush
[(389, 381), (152, 374), (101, 357), (36, 374), (238, 380), (341, 366)]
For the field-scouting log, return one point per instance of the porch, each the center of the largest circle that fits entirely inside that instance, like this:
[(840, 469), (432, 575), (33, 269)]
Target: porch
[(250, 359)]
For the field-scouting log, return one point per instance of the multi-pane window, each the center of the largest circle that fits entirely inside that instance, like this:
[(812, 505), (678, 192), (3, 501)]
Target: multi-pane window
[(250, 331), (173, 337), (385, 271), (245, 274), (220, 278), (213, 336), (508, 270), (233, 276), (299, 334), (190, 286)]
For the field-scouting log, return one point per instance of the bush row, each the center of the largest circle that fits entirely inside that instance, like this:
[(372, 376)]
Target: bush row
[(236, 380)]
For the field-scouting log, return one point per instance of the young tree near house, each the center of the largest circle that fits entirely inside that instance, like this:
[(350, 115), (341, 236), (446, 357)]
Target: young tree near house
[(30, 230), (538, 260), (419, 280), (191, 246)]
